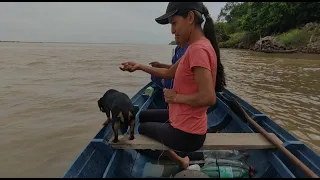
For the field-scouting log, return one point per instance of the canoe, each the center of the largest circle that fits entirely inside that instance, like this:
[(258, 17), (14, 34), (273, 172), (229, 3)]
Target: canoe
[(100, 160)]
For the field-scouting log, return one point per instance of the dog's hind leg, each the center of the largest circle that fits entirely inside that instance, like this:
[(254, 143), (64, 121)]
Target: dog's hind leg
[(115, 128), (132, 124)]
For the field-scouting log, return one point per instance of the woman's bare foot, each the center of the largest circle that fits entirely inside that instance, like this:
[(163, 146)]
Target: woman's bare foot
[(185, 162)]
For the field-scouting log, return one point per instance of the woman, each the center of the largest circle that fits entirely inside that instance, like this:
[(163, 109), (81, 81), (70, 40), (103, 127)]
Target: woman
[(195, 76)]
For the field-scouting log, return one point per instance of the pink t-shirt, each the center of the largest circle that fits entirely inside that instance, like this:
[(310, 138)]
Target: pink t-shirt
[(181, 116)]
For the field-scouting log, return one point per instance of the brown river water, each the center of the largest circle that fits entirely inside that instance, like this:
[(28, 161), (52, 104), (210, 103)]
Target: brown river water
[(49, 93)]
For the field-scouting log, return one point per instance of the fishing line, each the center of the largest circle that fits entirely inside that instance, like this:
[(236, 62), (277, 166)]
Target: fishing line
[(161, 143)]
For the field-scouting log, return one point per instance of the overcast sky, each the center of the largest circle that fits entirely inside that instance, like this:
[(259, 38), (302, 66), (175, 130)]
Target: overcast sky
[(93, 22)]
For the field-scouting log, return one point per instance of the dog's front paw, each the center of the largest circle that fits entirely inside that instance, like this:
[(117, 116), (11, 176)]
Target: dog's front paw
[(115, 140), (131, 138)]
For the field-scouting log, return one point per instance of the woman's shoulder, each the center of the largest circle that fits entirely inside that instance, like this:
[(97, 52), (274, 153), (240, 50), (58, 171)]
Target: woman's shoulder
[(202, 44)]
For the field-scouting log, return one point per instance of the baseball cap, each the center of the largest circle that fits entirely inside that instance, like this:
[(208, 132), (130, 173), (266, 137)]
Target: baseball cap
[(174, 7)]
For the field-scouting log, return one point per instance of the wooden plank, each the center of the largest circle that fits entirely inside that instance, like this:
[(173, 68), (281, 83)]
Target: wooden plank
[(214, 141)]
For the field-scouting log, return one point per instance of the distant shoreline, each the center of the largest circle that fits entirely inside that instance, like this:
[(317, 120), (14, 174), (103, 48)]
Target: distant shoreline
[(57, 42), (74, 42)]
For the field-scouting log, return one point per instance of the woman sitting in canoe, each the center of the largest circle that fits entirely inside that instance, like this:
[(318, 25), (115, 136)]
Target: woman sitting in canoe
[(198, 75)]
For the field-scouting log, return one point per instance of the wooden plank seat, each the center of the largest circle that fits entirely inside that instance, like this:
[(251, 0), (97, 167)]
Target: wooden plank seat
[(214, 141)]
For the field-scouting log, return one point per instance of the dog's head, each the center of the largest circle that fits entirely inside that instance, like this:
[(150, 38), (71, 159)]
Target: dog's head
[(102, 100), (101, 105)]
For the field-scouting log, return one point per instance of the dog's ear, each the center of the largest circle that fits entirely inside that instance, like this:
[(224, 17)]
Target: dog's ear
[(100, 105)]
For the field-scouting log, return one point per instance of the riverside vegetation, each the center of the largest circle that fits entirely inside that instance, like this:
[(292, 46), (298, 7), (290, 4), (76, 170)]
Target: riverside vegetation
[(284, 27)]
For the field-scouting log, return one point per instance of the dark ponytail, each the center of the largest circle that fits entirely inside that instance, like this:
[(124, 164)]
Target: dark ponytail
[(209, 32)]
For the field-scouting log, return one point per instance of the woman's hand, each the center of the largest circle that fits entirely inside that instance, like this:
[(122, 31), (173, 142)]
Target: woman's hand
[(129, 66), (170, 95), (155, 64)]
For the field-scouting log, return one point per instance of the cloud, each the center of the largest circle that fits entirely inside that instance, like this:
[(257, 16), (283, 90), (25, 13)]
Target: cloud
[(96, 22)]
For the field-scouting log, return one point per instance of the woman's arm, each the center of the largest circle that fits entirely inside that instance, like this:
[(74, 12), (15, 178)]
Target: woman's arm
[(160, 65), (160, 72), (167, 66), (206, 93)]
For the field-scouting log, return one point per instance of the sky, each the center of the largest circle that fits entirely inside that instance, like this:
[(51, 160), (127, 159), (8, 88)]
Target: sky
[(88, 22)]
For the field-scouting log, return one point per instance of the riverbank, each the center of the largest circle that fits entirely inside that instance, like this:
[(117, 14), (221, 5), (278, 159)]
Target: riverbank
[(304, 40)]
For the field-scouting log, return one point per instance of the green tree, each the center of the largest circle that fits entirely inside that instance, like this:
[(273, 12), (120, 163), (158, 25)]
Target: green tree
[(220, 28), (232, 13), (173, 43), (267, 18), (270, 18)]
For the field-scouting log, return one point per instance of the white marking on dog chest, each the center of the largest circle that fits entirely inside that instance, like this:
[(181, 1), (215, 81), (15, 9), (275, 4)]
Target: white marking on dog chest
[(121, 116), (130, 115)]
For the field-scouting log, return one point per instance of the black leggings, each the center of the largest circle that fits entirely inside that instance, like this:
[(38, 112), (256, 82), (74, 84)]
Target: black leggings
[(154, 124)]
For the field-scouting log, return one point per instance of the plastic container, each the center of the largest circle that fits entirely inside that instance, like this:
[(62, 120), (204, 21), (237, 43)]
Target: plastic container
[(226, 162), (214, 171), (195, 167), (149, 91)]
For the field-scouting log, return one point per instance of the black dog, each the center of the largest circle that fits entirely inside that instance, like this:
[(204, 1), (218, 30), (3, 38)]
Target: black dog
[(122, 111)]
